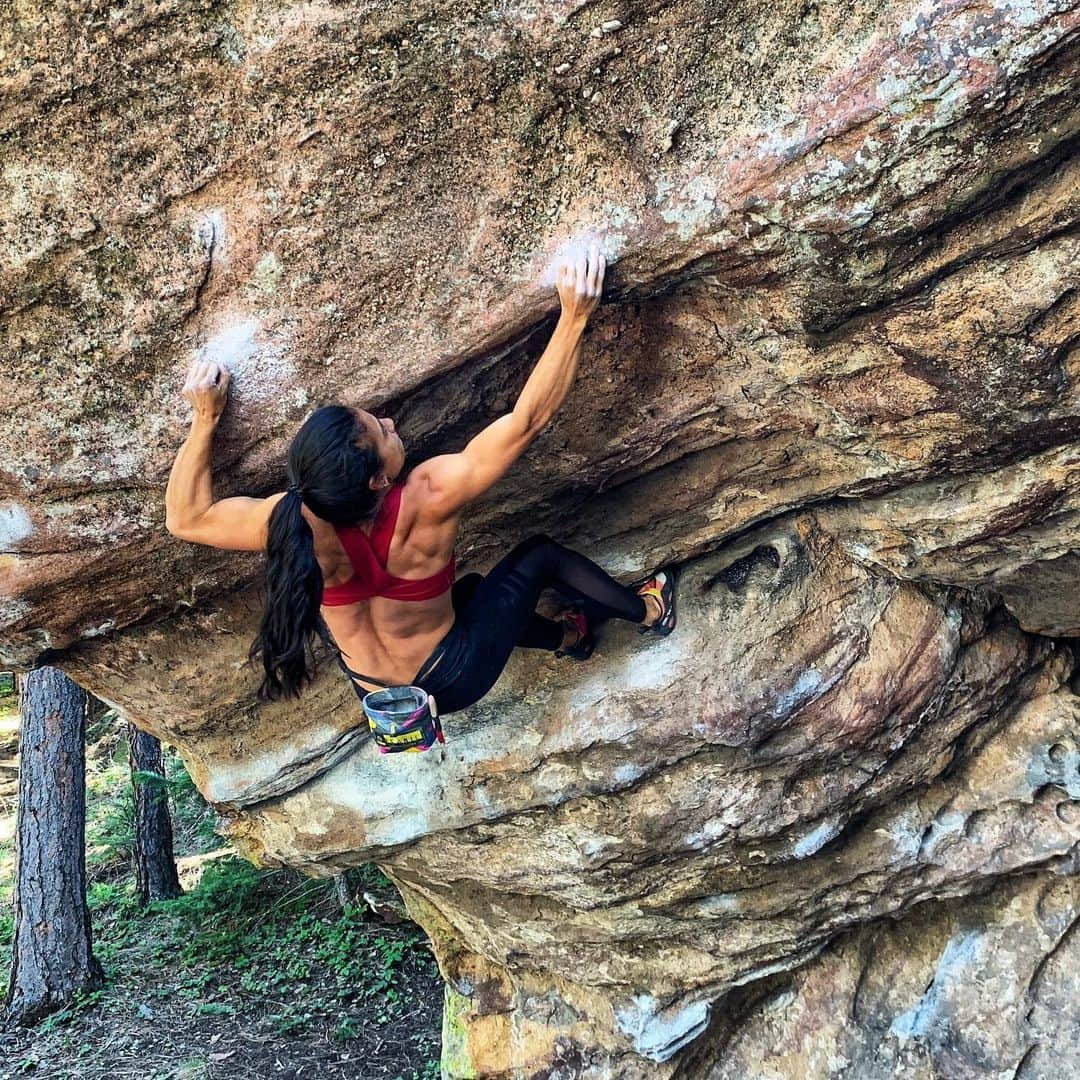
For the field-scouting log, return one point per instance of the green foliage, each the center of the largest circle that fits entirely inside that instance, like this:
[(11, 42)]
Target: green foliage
[(83, 999), (290, 1021), (7, 684), (370, 877), (117, 896), (267, 947), (191, 814), (280, 957), (348, 1028), (110, 816), (214, 1008), (381, 981), (105, 723), (155, 782), (225, 894), (113, 833), (227, 921)]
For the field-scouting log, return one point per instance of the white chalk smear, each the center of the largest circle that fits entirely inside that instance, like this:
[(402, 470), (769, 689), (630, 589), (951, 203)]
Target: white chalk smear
[(259, 369), (657, 1032), (628, 773), (958, 964), (691, 208), (234, 344), (571, 247), (210, 231), (817, 838), (15, 525)]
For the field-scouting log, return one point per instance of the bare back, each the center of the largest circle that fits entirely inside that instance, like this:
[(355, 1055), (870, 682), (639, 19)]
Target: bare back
[(391, 639)]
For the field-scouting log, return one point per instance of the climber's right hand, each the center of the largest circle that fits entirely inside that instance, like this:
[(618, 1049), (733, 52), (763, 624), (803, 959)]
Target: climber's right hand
[(580, 280), (207, 389)]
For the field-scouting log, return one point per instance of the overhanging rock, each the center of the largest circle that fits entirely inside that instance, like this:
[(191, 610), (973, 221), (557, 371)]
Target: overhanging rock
[(817, 746)]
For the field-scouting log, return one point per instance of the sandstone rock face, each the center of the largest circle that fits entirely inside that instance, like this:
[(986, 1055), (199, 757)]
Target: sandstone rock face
[(830, 826)]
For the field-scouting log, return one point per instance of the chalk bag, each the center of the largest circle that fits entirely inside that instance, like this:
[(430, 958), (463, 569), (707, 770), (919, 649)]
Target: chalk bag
[(403, 718)]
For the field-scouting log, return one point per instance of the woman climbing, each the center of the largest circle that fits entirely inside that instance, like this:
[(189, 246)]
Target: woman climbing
[(364, 559)]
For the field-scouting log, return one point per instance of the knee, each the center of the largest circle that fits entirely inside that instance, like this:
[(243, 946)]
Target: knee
[(535, 556), (463, 588), (540, 540)]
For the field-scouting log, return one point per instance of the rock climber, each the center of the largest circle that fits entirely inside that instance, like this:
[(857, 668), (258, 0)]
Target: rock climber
[(361, 556)]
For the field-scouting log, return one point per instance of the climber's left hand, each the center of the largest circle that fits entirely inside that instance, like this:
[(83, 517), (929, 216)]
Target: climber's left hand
[(207, 388)]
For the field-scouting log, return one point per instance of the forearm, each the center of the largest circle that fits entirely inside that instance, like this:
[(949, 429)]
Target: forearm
[(551, 379), (190, 491)]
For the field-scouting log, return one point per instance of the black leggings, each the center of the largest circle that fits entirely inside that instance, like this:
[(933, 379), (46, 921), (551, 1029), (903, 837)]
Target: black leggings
[(497, 612)]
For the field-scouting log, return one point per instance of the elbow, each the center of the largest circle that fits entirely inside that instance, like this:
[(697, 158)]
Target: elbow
[(531, 422), (175, 526), (538, 425), (172, 519)]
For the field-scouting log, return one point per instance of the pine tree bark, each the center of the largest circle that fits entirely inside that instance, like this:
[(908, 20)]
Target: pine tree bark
[(155, 866), (52, 958)]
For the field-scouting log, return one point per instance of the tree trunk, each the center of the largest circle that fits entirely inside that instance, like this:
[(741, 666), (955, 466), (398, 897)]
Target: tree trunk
[(155, 867), (51, 951)]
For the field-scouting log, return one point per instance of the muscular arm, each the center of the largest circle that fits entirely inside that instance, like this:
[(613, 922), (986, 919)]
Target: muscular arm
[(546, 389), (454, 479), (238, 524)]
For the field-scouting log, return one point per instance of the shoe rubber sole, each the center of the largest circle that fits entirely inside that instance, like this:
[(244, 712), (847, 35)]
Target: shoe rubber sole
[(667, 621), (582, 649)]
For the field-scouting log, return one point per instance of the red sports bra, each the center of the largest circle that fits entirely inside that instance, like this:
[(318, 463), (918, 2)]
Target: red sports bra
[(368, 555)]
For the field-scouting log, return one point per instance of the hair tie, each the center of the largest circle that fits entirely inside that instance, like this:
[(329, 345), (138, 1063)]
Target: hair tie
[(294, 489)]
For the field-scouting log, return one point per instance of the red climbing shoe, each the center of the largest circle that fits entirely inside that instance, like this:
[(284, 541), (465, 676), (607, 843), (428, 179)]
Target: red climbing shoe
[(661, 586), (582, 648)]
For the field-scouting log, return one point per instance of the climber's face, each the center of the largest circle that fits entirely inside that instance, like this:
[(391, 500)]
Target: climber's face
[(386, 440)]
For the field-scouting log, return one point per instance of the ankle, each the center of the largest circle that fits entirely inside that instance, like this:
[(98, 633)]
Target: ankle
[(653, 609)]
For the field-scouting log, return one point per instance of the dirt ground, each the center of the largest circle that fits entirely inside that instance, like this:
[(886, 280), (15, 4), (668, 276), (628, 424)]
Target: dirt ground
[(250, 974), (151, 1026)]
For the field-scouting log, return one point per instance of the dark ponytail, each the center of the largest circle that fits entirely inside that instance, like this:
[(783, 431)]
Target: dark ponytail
[(331, 462)]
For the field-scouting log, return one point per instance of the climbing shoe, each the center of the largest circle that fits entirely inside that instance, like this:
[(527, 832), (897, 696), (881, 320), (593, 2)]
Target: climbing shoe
[(583, 647), (661, 586)]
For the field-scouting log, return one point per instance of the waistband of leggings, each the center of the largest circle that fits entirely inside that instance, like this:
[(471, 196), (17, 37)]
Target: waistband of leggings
[(441, 667), (444, 664)]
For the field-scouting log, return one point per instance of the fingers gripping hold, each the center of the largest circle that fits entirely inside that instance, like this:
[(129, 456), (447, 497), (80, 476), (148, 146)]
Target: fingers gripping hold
[(580, 278), (207, 388)]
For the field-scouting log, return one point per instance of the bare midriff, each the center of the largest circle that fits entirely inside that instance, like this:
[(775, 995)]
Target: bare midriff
[(389, 639)]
